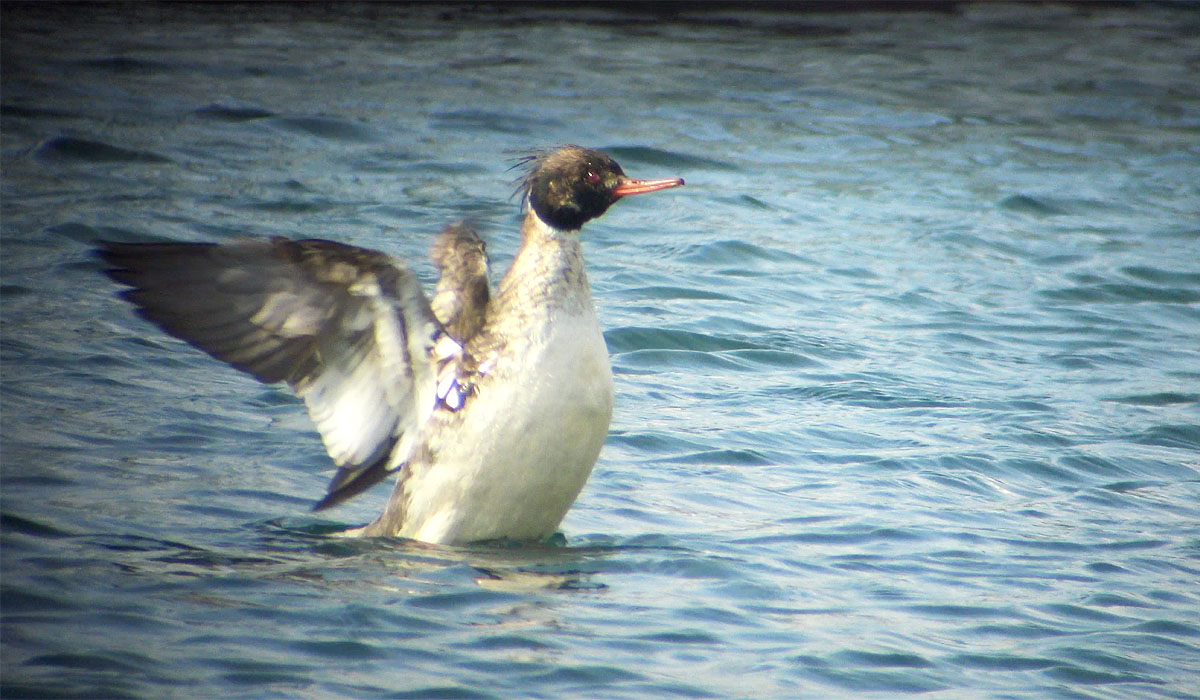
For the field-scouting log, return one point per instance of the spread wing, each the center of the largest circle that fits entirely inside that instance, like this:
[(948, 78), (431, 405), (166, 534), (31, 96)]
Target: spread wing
[(349, 330), (460, 300)]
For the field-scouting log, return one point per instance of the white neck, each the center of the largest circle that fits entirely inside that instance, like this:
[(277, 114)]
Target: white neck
[(548, 271)]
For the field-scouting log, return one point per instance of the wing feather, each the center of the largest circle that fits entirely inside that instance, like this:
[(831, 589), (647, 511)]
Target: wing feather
[(349, 330), (461, 298)]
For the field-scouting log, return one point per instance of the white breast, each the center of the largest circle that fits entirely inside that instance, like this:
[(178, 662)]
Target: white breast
[(527, 443)]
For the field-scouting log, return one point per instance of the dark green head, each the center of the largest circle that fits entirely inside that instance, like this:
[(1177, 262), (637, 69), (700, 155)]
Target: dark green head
[(570, 186)]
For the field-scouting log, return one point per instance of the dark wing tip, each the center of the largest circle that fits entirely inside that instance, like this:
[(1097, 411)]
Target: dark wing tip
[(355, 484), (352, 479), (115, 254)]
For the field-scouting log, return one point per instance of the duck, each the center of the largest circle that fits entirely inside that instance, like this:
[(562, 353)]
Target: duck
[(490, 407)]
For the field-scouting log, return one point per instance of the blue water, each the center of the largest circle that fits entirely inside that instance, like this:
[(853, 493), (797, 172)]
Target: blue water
[(908, 376)]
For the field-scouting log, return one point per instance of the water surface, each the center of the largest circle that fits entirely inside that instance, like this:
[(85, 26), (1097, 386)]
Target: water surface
[(908, 376)]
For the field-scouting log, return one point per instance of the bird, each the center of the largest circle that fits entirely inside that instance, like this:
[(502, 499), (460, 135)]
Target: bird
[(489, 406)]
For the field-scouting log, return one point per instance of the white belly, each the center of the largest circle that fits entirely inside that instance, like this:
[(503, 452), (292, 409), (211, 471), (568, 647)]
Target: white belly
[(527, 444)]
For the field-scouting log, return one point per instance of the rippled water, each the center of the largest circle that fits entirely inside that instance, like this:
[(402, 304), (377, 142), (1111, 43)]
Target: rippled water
[(908, 377)]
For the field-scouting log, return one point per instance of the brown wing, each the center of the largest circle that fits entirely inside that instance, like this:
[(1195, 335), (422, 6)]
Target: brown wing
[(349, 330), (460, 300)]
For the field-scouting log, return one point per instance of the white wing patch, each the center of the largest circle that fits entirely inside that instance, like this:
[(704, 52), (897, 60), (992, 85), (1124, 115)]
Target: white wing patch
[(451, 394)]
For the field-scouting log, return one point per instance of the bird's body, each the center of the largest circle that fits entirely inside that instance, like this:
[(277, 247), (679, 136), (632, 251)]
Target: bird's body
[(521, 449), (492, 408)]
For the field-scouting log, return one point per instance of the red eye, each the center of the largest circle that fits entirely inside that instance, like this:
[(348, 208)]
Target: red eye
[(592, 177)]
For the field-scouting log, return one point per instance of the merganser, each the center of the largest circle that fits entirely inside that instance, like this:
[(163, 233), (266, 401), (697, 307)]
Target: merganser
[(492, 408)]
